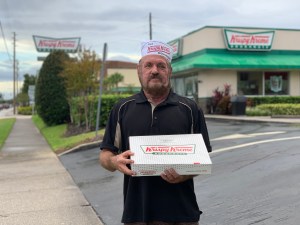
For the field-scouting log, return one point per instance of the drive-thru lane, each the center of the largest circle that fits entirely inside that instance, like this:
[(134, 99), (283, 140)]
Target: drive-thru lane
[(255, 177)]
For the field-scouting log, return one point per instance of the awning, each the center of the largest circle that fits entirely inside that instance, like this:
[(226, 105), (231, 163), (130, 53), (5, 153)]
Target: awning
[(225, 59)]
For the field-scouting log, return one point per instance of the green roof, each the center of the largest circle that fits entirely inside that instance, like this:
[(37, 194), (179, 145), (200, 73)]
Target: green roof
[(225, 59)]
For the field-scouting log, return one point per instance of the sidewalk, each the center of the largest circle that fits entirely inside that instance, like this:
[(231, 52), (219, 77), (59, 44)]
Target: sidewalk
[(35, 188)]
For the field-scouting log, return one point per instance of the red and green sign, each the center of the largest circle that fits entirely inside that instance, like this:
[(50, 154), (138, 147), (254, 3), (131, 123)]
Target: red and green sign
[(47, 44), (259, 41), (177, 48)]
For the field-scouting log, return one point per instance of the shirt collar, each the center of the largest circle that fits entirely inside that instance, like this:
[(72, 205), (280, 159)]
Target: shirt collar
[(171, 99)]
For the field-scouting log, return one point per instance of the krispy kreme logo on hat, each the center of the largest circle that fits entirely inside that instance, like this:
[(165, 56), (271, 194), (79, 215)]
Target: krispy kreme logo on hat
[(168, 150), (157, 48)]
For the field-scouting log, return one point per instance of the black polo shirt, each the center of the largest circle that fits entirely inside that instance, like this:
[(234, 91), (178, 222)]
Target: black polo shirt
[(151, 198)]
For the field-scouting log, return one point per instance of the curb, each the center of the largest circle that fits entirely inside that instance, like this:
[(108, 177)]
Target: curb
[(81, 147), (246, 119)]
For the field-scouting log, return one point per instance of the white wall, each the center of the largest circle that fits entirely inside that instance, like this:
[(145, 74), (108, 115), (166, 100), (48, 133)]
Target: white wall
[(130, 77), (213, 37), (294, 83), (211, 79)]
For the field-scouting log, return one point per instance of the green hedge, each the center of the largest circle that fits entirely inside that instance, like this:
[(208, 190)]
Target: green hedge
[(280, 109), (107, 102), (25, 110), (254, 101)]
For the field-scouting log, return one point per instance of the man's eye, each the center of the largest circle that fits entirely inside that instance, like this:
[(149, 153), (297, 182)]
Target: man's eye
[(161, 66), (148, 65)]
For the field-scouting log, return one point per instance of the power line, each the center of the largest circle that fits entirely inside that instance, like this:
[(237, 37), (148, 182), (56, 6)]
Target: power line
[(4, 40)]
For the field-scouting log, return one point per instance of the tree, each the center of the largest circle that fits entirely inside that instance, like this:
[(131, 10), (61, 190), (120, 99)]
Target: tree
[(50, 93), (22, 97), (80, 78), (113, 81), (28, 80)]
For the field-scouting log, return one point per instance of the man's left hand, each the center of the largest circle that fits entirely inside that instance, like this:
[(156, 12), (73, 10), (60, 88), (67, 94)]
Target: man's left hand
[(171, 176)]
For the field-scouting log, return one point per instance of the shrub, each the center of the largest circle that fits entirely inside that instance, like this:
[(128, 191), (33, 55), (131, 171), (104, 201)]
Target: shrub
[(280, 109), (51, 102), (25, 110), (254, 101), (257, 112), (221, 100), (107, 102)]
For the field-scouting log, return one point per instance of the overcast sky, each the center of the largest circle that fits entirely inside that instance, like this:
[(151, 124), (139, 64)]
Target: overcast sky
[(124, 24)]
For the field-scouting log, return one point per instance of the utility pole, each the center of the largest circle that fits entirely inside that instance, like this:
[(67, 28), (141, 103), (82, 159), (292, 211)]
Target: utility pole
[(17, 78), (150, 26), (14, 72)]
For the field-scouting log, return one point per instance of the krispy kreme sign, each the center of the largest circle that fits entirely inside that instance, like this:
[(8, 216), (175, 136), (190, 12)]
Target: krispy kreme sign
[(47, 44), (259, 41), (168, 150), (177, 47)]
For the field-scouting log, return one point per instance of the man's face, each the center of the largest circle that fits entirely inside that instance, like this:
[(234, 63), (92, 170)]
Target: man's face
[(154, 74)]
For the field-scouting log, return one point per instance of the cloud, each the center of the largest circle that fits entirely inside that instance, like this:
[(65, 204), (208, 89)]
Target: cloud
[(124, 24)]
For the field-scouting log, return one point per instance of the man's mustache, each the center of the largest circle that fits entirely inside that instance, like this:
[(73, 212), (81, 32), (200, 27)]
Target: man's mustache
[(155, 76)]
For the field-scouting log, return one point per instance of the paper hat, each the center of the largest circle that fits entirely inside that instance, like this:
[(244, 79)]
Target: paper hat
[(157, 48)]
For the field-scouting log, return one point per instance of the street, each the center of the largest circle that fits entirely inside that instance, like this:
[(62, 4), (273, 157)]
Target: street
[(255, 176)]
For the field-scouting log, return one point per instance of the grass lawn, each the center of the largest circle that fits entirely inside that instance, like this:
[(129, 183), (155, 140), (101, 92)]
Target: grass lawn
[(55, 135), (5, 127)]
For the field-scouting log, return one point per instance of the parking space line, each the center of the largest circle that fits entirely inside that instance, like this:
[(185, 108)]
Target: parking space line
[(252, 143)]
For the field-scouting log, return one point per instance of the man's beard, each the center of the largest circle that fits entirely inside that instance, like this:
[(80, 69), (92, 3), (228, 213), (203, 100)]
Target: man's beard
[(156, 90)]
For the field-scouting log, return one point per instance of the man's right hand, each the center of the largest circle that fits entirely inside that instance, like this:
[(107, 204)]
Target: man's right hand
[(113, 162)]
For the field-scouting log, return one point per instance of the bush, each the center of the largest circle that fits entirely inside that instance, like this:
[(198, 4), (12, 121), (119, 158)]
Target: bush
[(107, 102), (254, 101), (280, 109), (257, 112), (50, 94), (221, 100), (25, 110)]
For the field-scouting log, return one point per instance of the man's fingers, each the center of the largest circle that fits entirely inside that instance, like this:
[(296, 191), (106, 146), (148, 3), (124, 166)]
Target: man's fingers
[(122, 160), (171, 176), (127, 154)]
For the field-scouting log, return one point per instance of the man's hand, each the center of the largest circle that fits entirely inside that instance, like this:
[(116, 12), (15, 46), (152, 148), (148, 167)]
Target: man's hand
[(120, 161), (113, 162), (171, 176)]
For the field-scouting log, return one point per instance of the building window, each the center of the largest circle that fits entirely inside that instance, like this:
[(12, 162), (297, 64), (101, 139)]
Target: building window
[(186, 86), (262, 83), (276, 83), (250, 83)]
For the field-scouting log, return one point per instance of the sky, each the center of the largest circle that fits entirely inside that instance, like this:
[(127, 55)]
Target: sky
[(122, 25)]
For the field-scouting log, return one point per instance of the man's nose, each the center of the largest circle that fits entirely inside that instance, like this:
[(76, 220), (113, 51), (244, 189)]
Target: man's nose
[(154, 69)]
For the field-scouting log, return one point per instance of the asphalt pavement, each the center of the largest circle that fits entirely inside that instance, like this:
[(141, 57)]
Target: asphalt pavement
[(35, 188)]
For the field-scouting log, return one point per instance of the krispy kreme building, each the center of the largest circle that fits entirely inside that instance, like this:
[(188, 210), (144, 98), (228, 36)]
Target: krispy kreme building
[(254, 61)]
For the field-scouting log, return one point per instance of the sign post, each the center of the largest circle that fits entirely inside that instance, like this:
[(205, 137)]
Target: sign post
[(31, 93)]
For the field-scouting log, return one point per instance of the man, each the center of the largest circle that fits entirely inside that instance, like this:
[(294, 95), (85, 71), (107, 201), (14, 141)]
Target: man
[(156, 110)]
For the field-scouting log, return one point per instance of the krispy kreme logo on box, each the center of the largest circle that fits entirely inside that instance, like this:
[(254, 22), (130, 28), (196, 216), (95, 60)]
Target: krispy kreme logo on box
[(260, 41), (158, 48), (168, 150)]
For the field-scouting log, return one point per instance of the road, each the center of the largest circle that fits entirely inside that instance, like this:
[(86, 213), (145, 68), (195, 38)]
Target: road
[(255, 177), (5, 113)]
